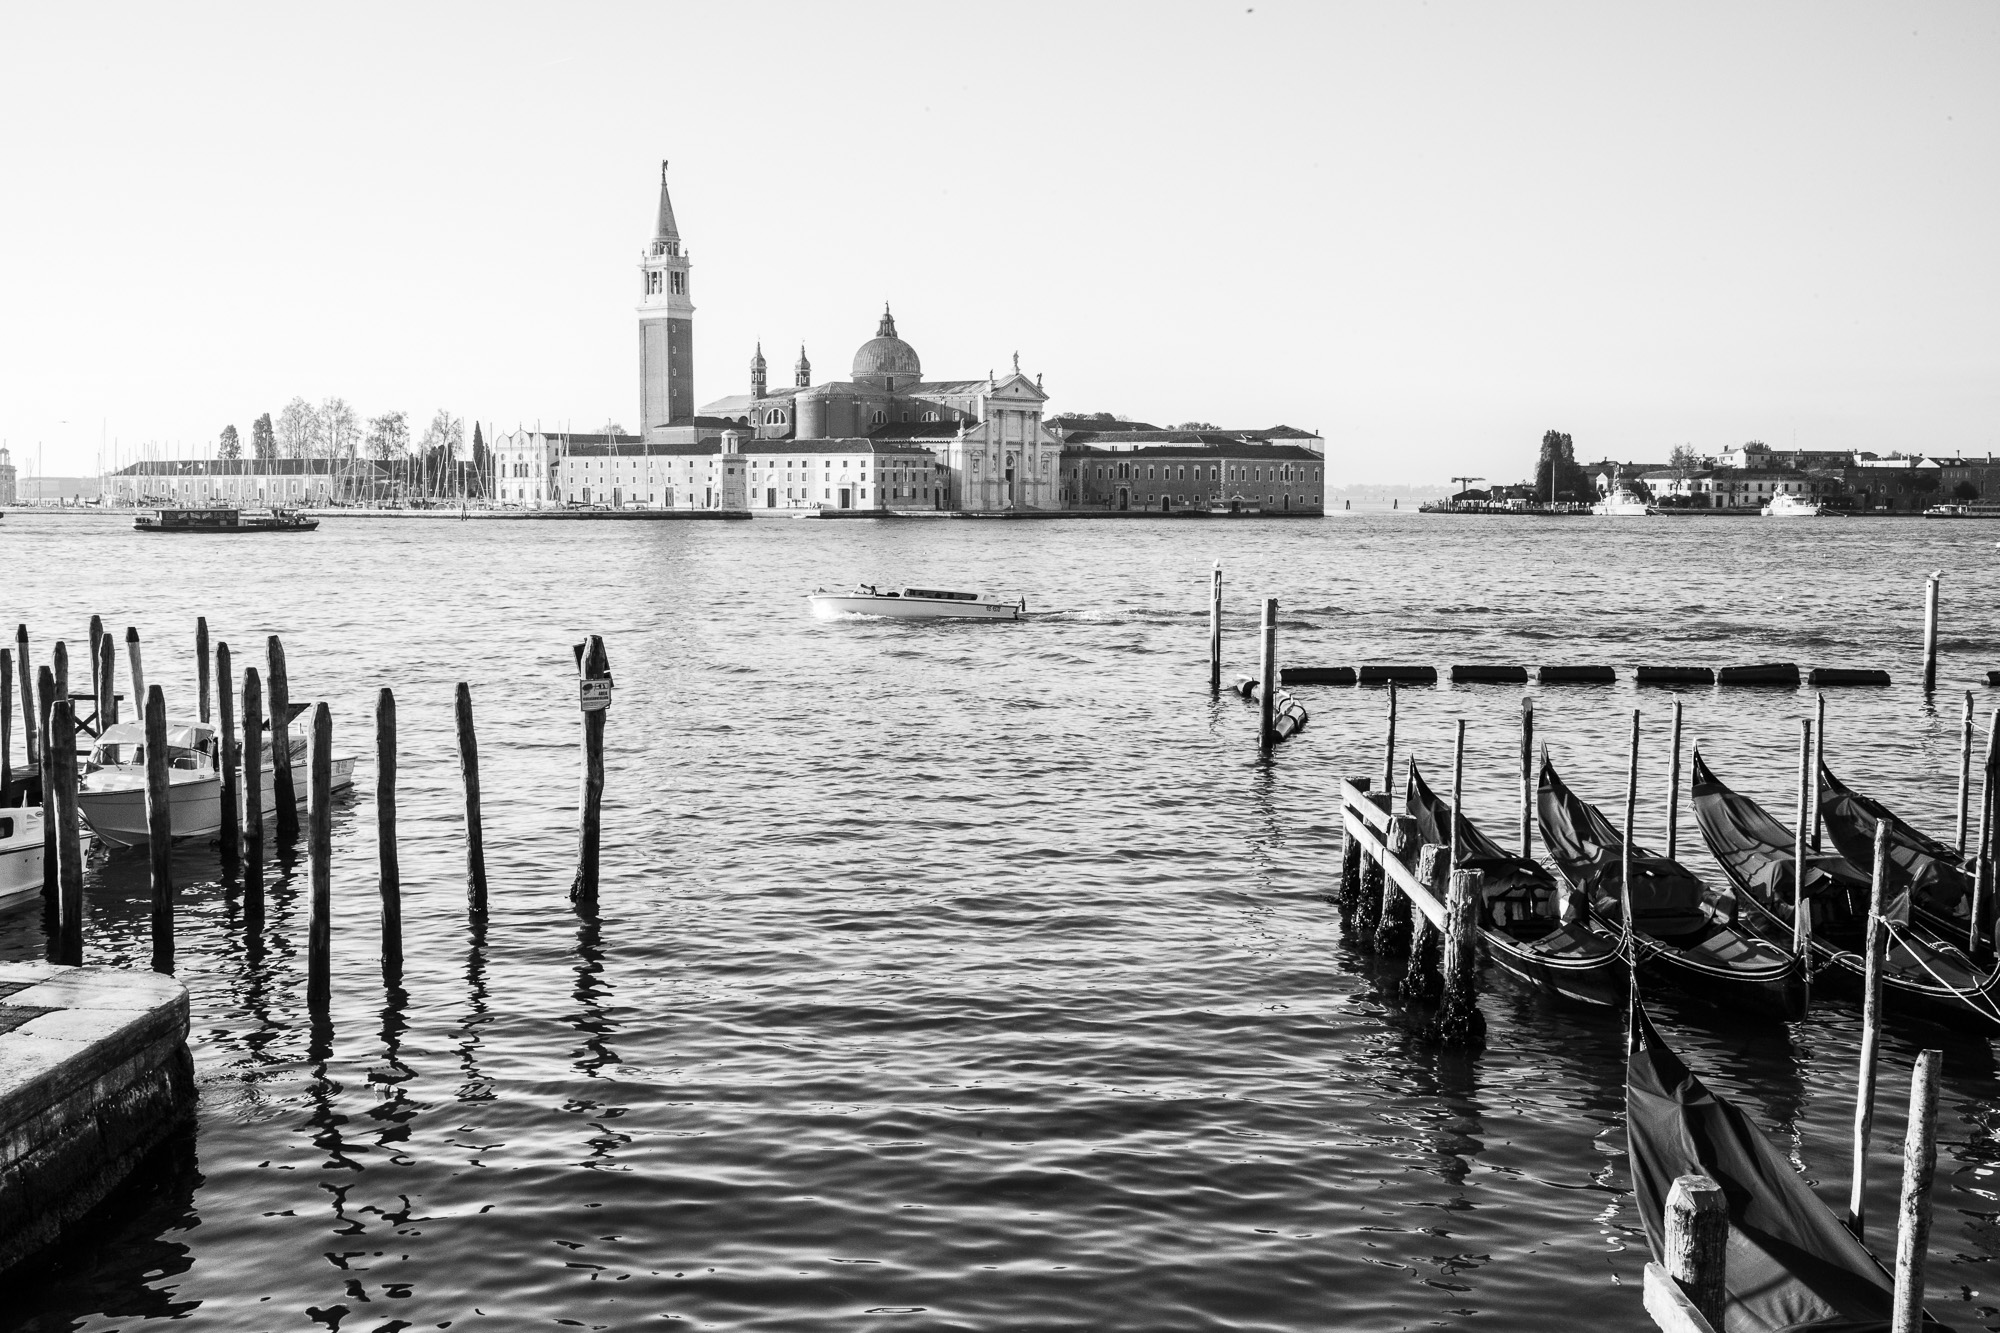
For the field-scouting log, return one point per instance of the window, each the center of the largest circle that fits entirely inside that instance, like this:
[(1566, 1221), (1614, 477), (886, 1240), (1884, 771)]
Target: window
[(880, 416), (774, 417), (680, 284), (930, 416)]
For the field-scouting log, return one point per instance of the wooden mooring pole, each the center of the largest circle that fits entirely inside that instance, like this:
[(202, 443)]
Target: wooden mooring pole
[(1457, 793), (1930, 630), (1374, 884), (159, 830), (1424, 977), (1964, 773), (138, 672), (1801, 837), (1625, 840), (1215, 630), (253, 799), (30, 755), (388, 871), (593, 670), (1348, 896), (475, 830), (6, 718), (284, 792), (1527, 777), (97, 665), (1674, 785), (1694, 1254), (1819, 762), (201, 666), (1913, 1225), (1389, 747), (45, 688), (1458, 1021), (59, 661), (232, 814), (107, 682), (319, 853), (1983, 869), (69, 843), (1392, 932), (1267, 678), (1875, 947)]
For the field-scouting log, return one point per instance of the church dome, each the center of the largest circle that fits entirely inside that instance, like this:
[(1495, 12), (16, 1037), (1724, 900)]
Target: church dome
[(886, 354)]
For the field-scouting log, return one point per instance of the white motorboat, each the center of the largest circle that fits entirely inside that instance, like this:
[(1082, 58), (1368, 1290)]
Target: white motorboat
[(912, 604), (20, 853), (1789, 506), (1621, 503), (112, 794)]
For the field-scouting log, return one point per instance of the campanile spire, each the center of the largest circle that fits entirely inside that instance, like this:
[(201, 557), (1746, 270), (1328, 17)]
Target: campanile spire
[(666, 328)]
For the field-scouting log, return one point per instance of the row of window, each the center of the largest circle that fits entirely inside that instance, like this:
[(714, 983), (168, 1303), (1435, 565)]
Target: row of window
[(1167, 472)]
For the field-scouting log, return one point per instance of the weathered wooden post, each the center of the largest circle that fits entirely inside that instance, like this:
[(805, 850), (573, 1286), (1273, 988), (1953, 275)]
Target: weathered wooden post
[(232, 833), (138, 672), (475, 830), (1983, 870), (253, 799), (1875, 947), (1801, 837), (1392, 932), (1389, 748), (1527, 777), (159, 830), (29, 753), (1696, 1248), (45, 689), (6, 718), (1267, 677), (593, 669), (69, 845), (201, 665), (1457, 793), (1625, 841), (1819, 762), (1458, 1021), (388, 871), (1930, 630), (319, 853), (284, 792), (1348, 898), (96, 665), (1368, 919), (1424, 977), (1674, 785), (1913, 1226), (1215, 630), (59, 660), (107, 682)]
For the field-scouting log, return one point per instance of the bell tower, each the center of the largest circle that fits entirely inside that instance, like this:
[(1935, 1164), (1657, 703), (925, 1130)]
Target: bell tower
[(666, 329)]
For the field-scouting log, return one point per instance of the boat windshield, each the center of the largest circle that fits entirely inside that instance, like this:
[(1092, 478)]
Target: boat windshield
[(117, 754), (941, 596)]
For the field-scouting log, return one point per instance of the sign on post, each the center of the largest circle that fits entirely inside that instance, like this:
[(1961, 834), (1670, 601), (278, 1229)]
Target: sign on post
[(593, 696)]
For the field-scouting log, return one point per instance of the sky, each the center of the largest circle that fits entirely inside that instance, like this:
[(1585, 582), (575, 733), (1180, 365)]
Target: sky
[(1428, 231)]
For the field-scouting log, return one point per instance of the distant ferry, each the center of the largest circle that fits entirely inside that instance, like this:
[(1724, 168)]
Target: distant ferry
[(912, 604), (1983, 510), (1785, 505), (1622, 503), (223, 520)]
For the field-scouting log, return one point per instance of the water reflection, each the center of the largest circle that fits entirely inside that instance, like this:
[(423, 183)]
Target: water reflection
[(593, 1024)]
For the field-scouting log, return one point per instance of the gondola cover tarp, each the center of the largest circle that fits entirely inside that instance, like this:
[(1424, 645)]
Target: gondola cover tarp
[(1792, 1264)]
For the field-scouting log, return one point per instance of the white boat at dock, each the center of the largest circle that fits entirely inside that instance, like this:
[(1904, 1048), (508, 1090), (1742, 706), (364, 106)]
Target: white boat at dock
[(112, 794), (20, 853), (1784, 505), (912, 604), (1622, 503)]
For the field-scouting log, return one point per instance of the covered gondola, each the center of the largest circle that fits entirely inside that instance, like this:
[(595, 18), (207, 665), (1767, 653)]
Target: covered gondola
[(1675, 932), (1931, 873), (1922, 975), (1792, 1264), (1520, 911)]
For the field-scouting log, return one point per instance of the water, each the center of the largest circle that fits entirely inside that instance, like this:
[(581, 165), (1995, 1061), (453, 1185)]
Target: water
[(963, 977)]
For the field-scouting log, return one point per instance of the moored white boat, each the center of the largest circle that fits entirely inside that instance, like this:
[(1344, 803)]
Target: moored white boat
[(1621, 503), (912, 604), (1789, 506), (20, 853)]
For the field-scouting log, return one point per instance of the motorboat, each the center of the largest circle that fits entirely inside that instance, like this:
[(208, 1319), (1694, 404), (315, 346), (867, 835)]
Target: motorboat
[(214, 519), (912, 604), (1785, 505), (20, 853), (1622, 503), (1988, 509), (111, 796)]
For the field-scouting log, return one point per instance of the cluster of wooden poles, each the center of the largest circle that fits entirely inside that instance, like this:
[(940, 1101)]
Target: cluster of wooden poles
[(52, 746), (1279, 714)]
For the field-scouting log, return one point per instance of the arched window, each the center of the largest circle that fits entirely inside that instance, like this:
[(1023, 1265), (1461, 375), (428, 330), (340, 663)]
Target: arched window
[(881, 417), (775, 417), (930, 416)]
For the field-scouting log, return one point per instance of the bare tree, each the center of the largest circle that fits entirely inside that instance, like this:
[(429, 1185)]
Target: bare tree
[(298, 429), (339, 429), (388, 436)]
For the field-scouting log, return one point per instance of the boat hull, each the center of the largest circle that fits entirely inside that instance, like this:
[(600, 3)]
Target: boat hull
[(1779, 991), (1596, 976), (117, 815), (20, 855), (834, 606)]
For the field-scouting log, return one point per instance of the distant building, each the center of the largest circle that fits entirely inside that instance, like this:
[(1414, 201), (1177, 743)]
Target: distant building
[(8, 492), (1737, 488), (1231, 474), (250, 482)]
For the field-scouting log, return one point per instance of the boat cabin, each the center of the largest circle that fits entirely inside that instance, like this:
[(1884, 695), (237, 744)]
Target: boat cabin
[(190, 747), (205, 520)]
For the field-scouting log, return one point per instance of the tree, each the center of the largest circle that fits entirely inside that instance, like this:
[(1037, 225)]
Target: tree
[(339, 429), (263, 444), (609, 428), (1684, 462), (388, 436), (1197, 425), (443, 436), (1558, 463), (230, 446), (298, 430), (1965, 491)]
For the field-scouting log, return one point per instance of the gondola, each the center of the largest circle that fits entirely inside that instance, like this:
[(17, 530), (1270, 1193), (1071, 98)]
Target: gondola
[(1921, 977), (1792, 1264), (1520, 912), (1674, 932), (1930, 872)]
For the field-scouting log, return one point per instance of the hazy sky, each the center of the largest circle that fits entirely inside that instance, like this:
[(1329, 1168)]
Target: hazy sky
[(1430, 231)]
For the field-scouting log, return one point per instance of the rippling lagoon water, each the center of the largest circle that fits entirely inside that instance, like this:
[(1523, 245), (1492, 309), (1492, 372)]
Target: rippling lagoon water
[(966, 977)]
